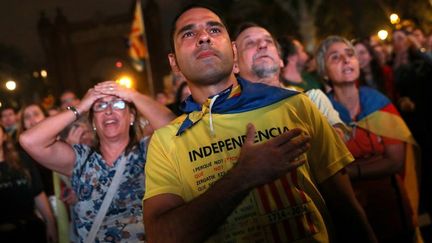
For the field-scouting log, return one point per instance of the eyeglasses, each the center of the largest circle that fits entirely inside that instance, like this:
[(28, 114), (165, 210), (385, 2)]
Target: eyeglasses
[(115, 105)]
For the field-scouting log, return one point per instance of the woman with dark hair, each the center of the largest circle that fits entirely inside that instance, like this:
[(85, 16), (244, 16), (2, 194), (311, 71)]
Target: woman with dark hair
[(20, 192), (373, 74), (32, 114), (383, 174), (108, 177)]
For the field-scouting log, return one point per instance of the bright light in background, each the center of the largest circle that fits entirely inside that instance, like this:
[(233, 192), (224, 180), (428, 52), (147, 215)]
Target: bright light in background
[(43, 73), (125, 81), (11, 85), (394, 18), (1, 104), (382, 34), (119, 64)]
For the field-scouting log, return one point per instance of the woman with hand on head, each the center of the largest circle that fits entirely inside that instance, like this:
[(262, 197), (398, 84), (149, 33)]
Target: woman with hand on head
[(114, 166), (383, 175)]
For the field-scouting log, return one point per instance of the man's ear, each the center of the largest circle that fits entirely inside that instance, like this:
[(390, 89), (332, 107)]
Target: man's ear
[(173, 62), (236, 69), (234, 47), (281, 63)]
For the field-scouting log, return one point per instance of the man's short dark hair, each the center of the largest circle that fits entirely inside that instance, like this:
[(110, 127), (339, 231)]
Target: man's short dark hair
[(287, 48), (242, 27), (185, 9), (68, 91), (7, 107), (246, 25)]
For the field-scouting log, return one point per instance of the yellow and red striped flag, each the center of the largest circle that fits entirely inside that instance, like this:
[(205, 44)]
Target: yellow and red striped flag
[(137, 42)]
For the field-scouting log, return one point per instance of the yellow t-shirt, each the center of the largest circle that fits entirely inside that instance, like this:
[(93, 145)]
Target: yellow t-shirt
[(288, 209)]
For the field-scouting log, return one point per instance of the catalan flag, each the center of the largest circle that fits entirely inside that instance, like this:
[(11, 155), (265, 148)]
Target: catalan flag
[(381, 117), (137, 43)]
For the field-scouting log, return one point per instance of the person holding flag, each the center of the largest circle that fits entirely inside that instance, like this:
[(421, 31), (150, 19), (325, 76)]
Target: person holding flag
[(383, 174)]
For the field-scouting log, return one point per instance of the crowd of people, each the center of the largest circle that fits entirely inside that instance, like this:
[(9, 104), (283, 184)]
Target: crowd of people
[(262, 143)]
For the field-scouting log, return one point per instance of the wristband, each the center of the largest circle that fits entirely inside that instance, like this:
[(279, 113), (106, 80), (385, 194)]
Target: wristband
[(75, 111)]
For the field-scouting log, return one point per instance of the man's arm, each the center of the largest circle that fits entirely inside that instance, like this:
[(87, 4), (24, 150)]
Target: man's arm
[(168, 218), (348, 216)]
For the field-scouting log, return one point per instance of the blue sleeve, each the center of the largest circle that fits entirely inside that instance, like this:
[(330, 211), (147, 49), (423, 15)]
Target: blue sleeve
[(81, 152)]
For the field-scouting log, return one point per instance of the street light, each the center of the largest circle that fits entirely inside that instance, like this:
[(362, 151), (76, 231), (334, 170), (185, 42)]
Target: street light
[(43, 73), (36, 74), (382, 34), (125, 81), (394, 18), (11, 85)]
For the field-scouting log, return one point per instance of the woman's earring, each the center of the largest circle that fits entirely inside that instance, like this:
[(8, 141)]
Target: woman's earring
[(131, 123)]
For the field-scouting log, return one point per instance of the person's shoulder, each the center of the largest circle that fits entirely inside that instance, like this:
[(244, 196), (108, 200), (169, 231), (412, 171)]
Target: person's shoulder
[(291, 87), (372, 100), (81, 150), (371, 93), (178, 120), (80, 147), (172, 128), (300, 98), (315, 93), (299, 103)]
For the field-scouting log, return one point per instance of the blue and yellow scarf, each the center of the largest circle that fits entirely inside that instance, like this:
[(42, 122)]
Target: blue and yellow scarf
[(244, 97)]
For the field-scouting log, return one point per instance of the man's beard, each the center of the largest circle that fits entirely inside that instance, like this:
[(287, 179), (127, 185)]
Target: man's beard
[(264, 71)]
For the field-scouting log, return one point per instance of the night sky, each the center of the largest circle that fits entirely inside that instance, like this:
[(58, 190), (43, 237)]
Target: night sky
[(18, 19)]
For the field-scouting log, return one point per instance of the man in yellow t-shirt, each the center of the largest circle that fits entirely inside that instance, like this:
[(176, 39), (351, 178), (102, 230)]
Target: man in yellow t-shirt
[(206, 180)]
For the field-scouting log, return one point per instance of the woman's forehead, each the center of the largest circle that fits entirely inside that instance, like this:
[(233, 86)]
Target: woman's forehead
[(338, 47), (108, 98), (32, 108)]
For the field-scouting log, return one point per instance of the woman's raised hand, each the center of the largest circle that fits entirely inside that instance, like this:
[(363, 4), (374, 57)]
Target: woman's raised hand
[(113, 88), (89, 98)]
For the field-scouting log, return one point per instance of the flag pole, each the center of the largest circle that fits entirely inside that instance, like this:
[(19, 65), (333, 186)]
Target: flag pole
[(149, 76)]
